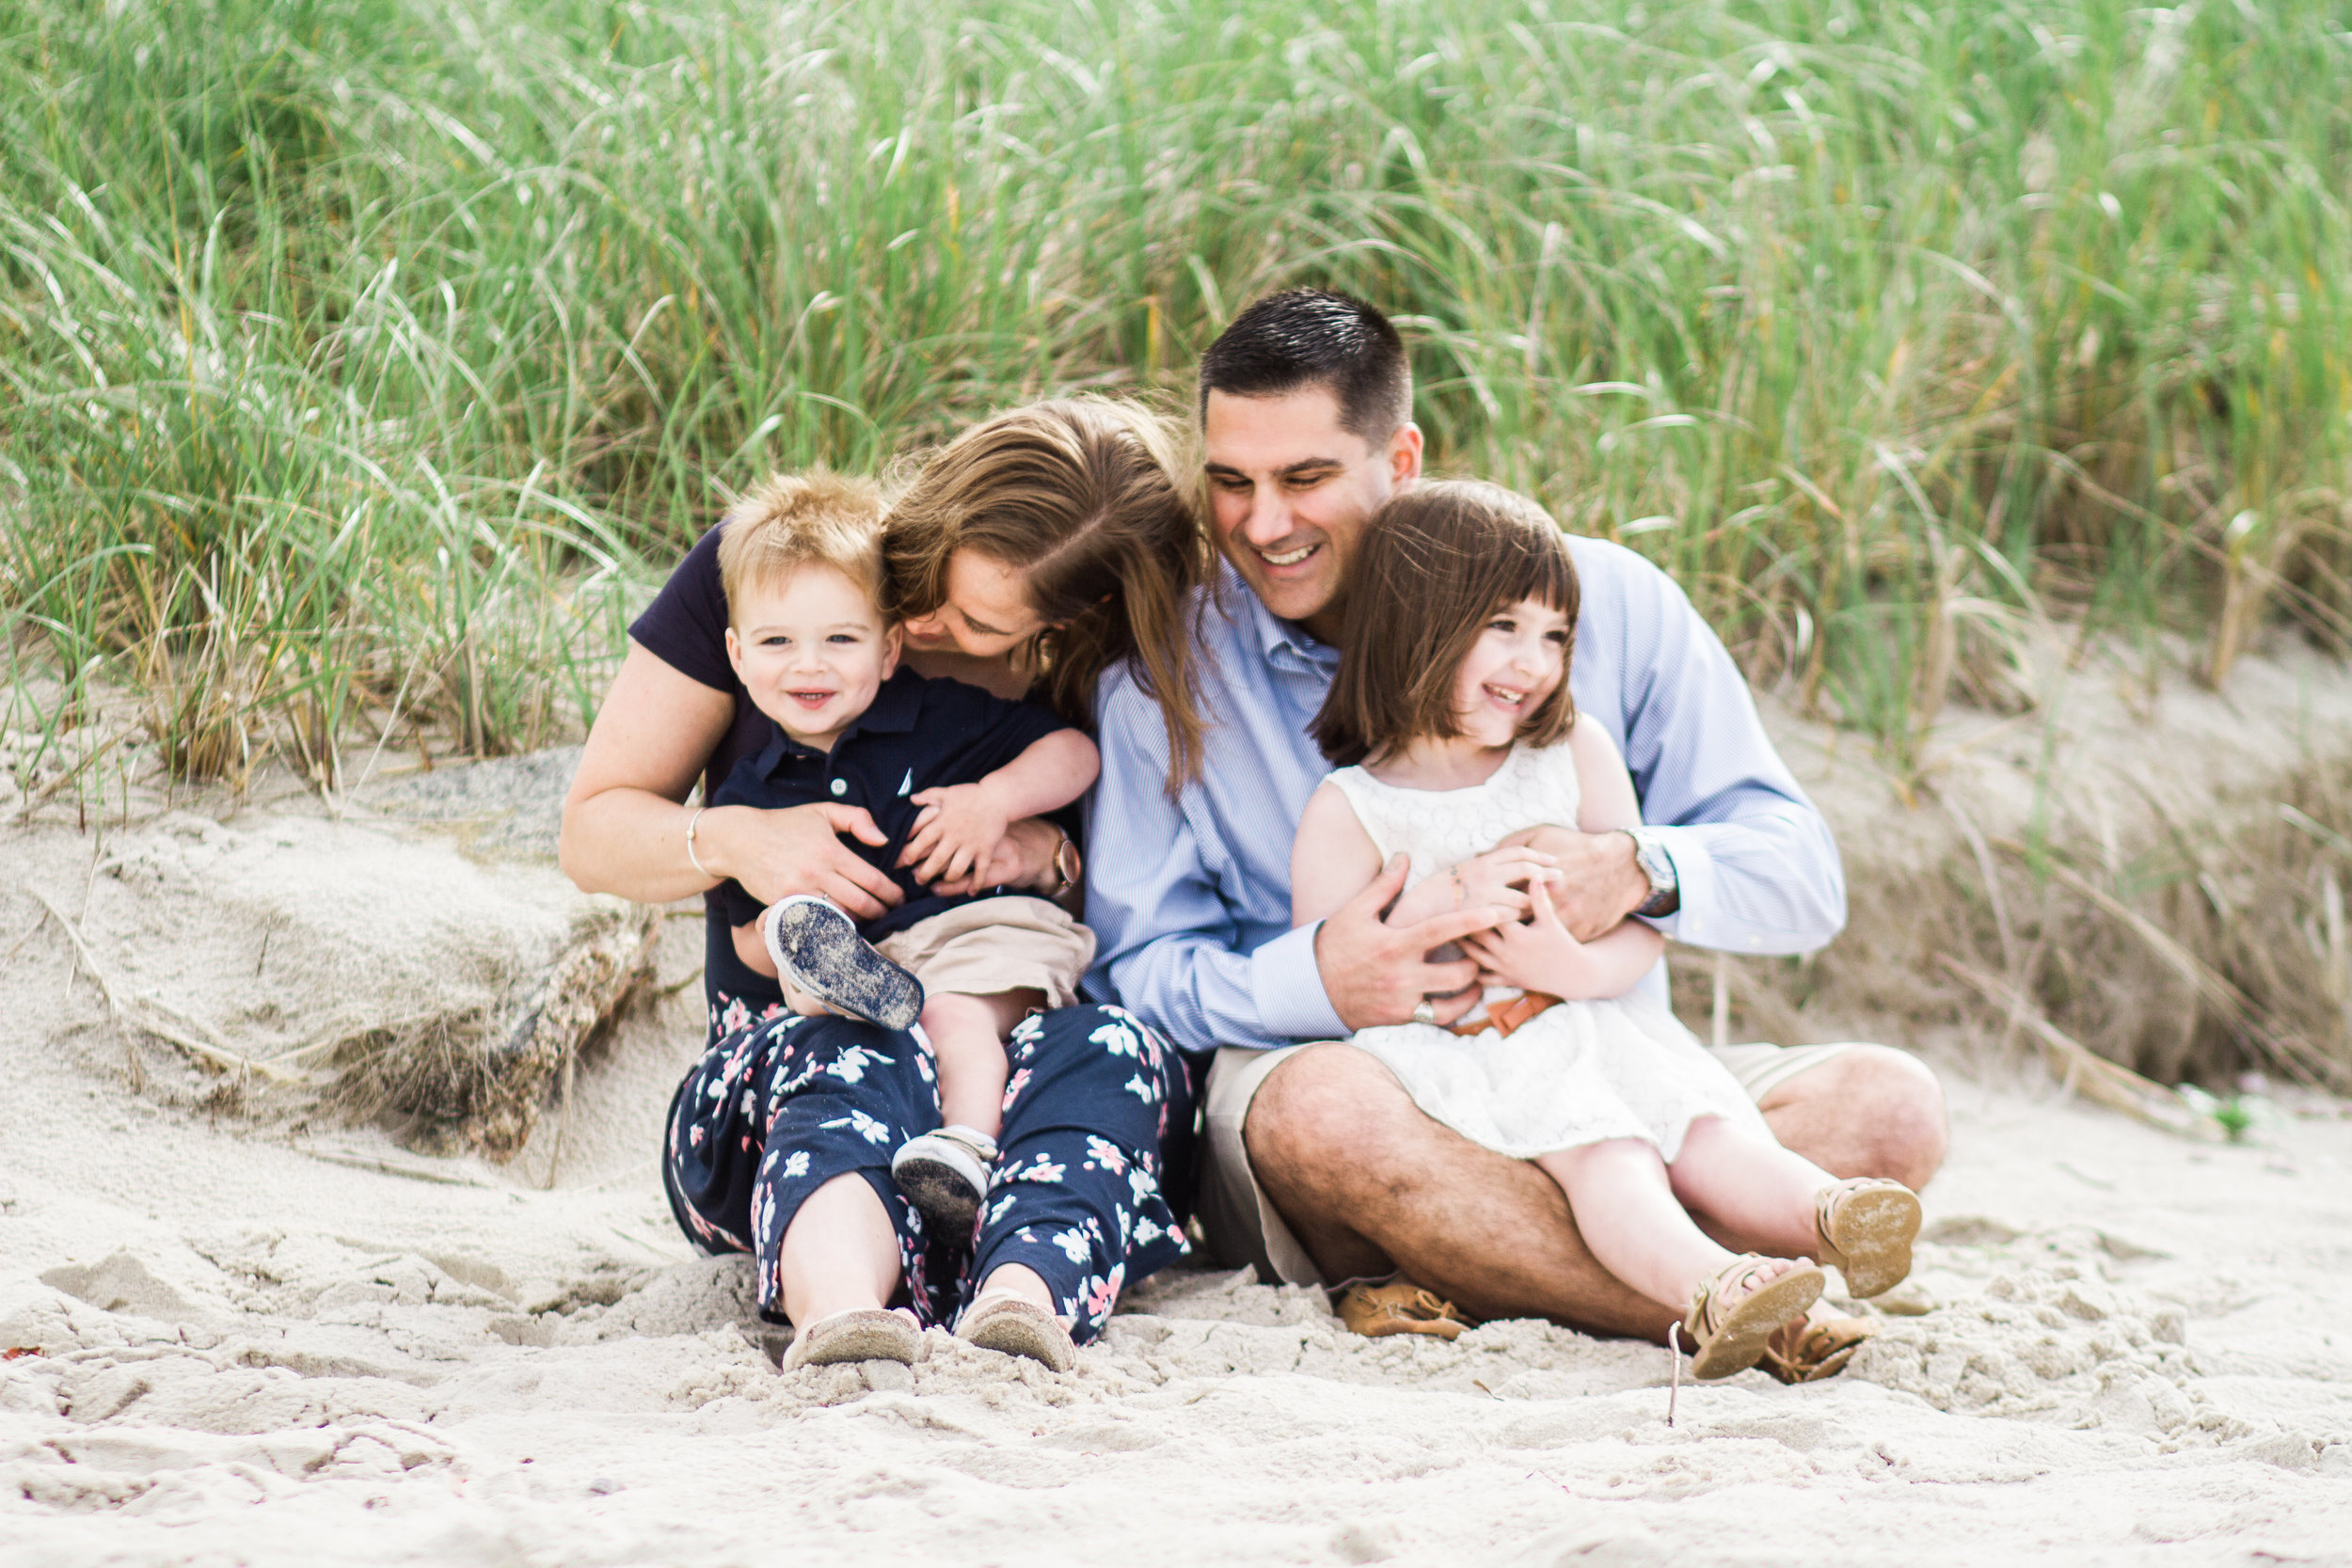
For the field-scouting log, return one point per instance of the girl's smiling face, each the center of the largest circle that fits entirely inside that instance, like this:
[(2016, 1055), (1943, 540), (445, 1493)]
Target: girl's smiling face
[(1516, 664)]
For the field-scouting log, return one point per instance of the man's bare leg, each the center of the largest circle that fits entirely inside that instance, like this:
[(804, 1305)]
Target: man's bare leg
[(1867, 1111), (1368, 1183), (1363, 1177)]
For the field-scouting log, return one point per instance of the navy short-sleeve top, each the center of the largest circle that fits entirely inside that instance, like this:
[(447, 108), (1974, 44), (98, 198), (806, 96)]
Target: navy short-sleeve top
[(916, 735), (685, 627)]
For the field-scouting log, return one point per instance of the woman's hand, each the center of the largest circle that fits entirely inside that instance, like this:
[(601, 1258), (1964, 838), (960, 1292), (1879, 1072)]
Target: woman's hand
[(1023, 858), (777, 853), (956, 833)]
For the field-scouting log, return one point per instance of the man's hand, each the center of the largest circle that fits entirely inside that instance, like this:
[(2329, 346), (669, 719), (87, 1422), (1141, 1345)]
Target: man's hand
[(957, 831), (1599, 883), (777, 853), (1375, 972)]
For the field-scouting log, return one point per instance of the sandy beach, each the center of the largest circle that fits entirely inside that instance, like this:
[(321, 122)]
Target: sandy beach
[(233, 1338)]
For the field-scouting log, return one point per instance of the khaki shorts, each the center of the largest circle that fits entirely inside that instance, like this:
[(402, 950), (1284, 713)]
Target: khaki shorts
[(1240, 1221), (995, 945)]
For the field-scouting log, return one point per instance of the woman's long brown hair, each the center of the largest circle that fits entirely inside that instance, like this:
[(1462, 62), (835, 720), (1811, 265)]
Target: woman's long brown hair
[(1435, 563), (1080, 496)]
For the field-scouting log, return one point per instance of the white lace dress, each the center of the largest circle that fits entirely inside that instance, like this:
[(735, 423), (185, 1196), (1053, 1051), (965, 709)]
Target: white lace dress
[(1577, 1073)]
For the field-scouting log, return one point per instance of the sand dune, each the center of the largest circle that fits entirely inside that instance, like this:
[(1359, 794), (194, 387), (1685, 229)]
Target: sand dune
[(248, 1333)]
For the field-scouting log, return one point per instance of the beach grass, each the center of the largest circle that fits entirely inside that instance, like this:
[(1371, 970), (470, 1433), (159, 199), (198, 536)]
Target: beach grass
[(364, 355)]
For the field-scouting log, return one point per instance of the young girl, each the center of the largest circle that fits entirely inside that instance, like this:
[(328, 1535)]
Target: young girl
[(1452, 703)]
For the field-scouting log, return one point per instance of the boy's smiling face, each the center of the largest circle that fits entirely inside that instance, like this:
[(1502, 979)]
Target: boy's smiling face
[(812, 649)]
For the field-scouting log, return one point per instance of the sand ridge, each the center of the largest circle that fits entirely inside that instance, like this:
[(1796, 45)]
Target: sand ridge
[(273, 1339)]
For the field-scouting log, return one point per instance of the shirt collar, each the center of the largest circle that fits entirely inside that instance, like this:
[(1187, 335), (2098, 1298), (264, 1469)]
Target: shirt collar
[(893, 711), (1282, 642)]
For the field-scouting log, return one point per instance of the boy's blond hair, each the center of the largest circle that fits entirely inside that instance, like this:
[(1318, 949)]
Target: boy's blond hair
[(816, 518)]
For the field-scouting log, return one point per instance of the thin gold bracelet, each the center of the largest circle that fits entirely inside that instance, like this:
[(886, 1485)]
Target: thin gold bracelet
[(692, 823)]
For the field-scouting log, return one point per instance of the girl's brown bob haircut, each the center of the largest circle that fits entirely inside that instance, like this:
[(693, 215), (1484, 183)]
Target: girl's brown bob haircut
[(1435, 563)]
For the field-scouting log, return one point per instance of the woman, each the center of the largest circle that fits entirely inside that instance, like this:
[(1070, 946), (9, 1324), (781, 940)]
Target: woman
[(1042, 545)]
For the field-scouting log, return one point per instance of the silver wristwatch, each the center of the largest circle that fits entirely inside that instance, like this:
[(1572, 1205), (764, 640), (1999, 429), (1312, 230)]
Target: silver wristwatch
[(1649, 853)]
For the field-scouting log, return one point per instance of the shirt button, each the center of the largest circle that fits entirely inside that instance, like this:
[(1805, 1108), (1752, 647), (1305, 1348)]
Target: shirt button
[(841, 786)]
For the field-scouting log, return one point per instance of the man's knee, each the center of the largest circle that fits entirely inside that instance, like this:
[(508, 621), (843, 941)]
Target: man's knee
[(1868, 1111), (1315, 1107)]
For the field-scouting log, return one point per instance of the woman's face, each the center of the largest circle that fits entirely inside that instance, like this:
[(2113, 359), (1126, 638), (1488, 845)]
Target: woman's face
[(986, 612)]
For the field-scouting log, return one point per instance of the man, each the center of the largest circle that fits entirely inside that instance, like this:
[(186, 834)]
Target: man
[(1317, 1167)]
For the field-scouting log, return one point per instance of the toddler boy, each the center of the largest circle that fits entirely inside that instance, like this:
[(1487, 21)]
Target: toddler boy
[(943, 768)]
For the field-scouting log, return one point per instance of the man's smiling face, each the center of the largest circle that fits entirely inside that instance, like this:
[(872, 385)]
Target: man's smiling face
[(1291, 490)]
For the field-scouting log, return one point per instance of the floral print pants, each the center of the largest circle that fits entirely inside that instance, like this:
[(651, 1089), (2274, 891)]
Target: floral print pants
[(1095, 1104)]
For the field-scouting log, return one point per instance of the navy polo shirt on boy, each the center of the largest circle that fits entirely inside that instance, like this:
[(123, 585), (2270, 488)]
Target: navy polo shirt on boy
[(916, 735)]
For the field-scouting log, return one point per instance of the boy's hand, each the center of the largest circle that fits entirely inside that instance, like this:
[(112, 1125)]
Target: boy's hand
[(959, 829), (1537, 955)]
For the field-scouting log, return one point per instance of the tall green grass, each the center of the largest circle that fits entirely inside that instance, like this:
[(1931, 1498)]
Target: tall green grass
[(360, 358)]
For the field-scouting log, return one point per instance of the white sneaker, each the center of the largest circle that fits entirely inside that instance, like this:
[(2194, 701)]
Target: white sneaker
[(945, 1175), (817, 950)]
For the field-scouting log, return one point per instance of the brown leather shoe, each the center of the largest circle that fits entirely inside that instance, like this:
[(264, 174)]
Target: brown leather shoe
[(1817, 1348), (1400, 1307), (1866, 1226)]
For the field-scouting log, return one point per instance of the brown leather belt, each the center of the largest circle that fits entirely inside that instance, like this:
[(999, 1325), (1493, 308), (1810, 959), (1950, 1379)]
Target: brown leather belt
[(1508, 1017)]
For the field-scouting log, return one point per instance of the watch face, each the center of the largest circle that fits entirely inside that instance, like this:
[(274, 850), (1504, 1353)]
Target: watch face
[(1655, 864)]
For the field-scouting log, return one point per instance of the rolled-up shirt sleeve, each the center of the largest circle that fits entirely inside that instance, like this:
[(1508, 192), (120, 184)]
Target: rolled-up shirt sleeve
[(1756, 867), (1170, 947)]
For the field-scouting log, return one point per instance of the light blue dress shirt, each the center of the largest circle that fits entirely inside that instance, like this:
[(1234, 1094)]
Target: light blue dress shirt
[(1190, 899)]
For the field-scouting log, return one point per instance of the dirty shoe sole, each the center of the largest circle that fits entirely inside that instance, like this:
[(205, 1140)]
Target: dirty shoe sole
[(1872, 1233), (1019, 1328), (864, 1334), (943, 1181), (817, 950), (1750, 1323)]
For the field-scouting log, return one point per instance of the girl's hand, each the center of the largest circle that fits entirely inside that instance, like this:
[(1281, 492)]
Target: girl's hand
[(1504, 876), (960, 828), (1537, 955)]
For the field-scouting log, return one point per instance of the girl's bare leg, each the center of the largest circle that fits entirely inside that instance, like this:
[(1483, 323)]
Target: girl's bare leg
[(839, 1253), (1626, 1208), (1750, 1186), (967, 1036)]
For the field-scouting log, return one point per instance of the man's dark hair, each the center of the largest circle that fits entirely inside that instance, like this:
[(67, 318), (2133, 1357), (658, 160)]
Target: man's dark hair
[(1315, 338)]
